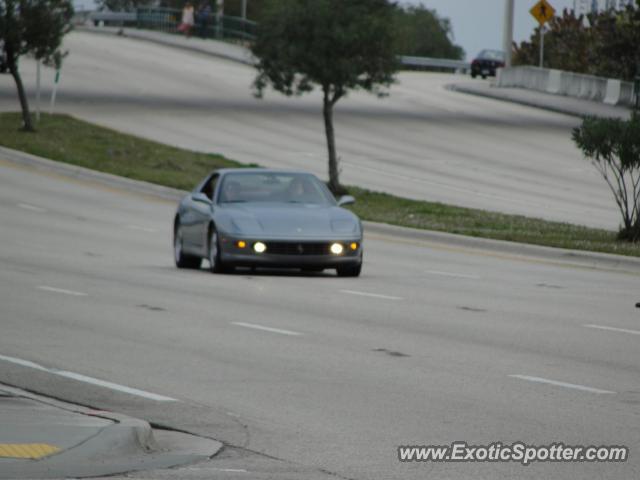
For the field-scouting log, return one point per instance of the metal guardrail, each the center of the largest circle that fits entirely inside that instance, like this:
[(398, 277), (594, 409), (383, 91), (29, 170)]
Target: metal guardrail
[(112, 18), (168, 19), (437, 63)]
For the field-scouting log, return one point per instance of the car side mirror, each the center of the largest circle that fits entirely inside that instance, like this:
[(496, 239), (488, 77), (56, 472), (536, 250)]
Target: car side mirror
[(201, 197), (346, 200)]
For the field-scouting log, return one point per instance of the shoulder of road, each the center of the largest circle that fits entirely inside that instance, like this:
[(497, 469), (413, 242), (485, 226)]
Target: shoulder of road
[(576, 107), (46, 438), (449, 241)]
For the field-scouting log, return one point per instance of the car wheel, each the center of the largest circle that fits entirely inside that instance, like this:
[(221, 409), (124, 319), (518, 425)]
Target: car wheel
[(349, 270), (473, 75), (215, 263), (182, 260), (484, 77)]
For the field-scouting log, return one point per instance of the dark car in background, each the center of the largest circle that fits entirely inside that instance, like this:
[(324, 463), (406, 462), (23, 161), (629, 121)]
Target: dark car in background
[(255, 217), (486, 63)]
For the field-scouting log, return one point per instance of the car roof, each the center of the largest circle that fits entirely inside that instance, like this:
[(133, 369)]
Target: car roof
[(225, 171)]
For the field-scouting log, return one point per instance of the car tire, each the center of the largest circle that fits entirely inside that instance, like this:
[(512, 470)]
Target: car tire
[(183, 260), (349, 270), (215, 263), (484, 77), (473, 75)]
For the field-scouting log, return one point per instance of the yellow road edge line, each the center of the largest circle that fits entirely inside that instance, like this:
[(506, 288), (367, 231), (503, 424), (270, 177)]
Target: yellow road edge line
[(33, 451)]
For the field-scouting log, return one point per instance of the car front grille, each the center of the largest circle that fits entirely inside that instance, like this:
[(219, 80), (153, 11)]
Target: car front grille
[(298, 248)]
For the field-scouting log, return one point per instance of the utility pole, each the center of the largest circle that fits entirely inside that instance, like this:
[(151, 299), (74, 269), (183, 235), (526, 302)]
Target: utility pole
[(541, 45), (507, 40), (244, 9)]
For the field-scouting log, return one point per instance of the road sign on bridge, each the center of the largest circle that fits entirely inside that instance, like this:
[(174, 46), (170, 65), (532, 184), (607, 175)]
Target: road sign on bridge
[(542, 12)]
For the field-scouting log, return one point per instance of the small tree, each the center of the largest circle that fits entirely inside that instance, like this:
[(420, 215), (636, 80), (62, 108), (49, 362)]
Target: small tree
[(613, 146), (32, 27), (336, 44)]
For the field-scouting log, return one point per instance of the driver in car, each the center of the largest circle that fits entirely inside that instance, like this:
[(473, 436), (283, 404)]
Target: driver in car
[(231, 192), (300, 190)]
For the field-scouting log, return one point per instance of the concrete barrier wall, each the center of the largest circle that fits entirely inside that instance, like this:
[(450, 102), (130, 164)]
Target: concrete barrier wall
[(589, 87)]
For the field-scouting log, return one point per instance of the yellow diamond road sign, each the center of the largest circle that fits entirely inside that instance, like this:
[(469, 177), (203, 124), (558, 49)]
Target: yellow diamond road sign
[(543, 11)]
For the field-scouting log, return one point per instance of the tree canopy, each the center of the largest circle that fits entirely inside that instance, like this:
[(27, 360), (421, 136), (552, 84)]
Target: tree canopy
[(34, 27), (604, 43), (336, 45), (420, 32)]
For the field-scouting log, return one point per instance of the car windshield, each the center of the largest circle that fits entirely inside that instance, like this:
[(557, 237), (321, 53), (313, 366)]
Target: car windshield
[(273, 187), (492, 55)]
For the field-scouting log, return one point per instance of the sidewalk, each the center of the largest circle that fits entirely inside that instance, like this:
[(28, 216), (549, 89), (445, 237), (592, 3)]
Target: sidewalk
[(226, 50), (46, 438), (555, 103)]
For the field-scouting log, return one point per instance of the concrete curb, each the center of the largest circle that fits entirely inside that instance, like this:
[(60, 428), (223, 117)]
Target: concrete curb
[(234, 53), (579, 258), (522, 251), (133, 434), (82, 173), (128, 444), (556, 108)]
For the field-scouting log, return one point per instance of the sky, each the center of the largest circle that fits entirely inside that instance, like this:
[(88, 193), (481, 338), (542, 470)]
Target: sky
[(478, 24)]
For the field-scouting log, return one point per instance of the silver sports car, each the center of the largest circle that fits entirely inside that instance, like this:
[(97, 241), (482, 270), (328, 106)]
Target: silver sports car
[(256, 217)]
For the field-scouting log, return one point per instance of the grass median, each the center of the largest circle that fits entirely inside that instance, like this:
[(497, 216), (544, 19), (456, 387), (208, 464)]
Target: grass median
[(66, 139)]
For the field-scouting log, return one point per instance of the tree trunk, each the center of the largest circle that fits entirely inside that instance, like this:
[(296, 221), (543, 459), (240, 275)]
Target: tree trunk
[(334, 175), (24, 104)]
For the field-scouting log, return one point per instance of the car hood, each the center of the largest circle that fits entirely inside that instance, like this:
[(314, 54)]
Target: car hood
[(295, 220)]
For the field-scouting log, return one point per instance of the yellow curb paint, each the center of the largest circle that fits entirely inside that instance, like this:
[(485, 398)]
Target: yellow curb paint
[(27, 450)]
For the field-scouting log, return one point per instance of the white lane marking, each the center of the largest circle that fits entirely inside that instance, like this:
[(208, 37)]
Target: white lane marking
[(233, 470), (613, 329), (561, 384), (91, 380), (456, 275), (374, 295), (141, 229), (33, 208), (266, 329), (46, 288)]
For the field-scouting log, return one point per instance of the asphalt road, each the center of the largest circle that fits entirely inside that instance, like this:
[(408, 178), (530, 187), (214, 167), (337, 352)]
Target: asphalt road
[(315, 376), (422, 141)]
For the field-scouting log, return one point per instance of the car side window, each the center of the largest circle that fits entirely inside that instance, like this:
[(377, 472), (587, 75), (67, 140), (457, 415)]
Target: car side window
[(210, 186)]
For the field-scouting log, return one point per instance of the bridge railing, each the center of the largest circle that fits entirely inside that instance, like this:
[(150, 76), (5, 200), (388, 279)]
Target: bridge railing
[(236, 28), (168, 20), (435, 63)]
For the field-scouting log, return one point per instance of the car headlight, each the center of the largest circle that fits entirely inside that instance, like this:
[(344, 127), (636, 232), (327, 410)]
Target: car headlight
[(336, 248), (259, 247)]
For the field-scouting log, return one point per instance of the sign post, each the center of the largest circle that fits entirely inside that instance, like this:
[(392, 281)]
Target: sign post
[(38, 90), (55, 92), (542, 12)]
